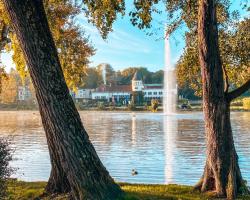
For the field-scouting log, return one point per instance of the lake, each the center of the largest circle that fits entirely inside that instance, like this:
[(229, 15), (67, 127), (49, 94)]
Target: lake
[(163, 149)]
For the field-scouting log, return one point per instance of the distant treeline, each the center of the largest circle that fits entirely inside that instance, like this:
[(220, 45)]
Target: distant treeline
[(94, 76)]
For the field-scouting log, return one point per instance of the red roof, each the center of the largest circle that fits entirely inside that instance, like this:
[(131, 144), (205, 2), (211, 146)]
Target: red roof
[(114, 88), (153, 86)]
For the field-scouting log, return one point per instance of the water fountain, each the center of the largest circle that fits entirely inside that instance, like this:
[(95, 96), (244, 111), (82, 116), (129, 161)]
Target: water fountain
[(169, 118), (170, 89), (104, 73)]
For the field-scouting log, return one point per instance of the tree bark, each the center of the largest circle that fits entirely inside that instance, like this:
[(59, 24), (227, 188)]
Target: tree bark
[(74, 159), (221, 173)]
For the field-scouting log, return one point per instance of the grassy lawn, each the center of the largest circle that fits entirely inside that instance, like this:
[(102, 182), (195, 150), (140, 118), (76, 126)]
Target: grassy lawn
[(19, 190)]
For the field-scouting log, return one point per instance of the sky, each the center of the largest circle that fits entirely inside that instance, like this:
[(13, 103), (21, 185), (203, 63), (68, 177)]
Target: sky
[(127, 46)]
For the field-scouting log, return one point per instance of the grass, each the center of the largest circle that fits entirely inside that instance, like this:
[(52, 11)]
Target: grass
[(19, 190)]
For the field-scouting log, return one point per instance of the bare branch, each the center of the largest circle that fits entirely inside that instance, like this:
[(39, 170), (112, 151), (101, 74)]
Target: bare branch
[(239, 91)]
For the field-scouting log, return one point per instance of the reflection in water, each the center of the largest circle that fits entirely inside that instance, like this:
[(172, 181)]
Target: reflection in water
[(133, 129), (125, 141), (170, 131)]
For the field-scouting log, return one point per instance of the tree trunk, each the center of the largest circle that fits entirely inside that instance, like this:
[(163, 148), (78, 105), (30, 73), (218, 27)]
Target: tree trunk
[(74, 159), (58, 182), (222, 173)]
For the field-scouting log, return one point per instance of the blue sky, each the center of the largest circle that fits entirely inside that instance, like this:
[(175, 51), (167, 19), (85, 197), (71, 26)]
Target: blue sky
[(127, 46)]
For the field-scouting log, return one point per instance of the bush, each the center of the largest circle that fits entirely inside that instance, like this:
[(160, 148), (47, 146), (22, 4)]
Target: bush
[(5, 169), (154, 105), (183, 101), (246, 103), (101, 106)]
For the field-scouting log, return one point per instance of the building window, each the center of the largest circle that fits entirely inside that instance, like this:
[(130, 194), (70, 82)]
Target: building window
[(136, 88), (160, 93), (155, 93), (149, 93)]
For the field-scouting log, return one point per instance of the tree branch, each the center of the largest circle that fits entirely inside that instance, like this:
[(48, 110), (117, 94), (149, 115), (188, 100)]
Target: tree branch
[(226, 79), (239, 91), (4, 36)]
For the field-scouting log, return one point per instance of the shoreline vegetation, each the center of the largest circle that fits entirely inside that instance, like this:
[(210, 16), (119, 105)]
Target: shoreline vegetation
[(184, 105), (33, 191), (23, 107)]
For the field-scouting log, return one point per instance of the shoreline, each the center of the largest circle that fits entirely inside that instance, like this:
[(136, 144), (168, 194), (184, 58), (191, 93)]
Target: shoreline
[(123, 110), (33, 190), (141, 108)]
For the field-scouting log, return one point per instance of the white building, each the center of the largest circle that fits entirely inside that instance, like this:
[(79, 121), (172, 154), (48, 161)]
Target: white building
[(150, 91), (124, 92), (137, 84), (24, 93), (82, 94), (153, 91), (117, 93)]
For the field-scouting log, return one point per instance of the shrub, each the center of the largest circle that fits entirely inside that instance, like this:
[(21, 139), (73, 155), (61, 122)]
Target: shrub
[(246, 103), (5, 169), (154, 105), (101, 106)]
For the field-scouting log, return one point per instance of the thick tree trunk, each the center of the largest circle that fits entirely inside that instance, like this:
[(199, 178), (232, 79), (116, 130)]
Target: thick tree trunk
[(58, 182), (74, 159), (222, 173)]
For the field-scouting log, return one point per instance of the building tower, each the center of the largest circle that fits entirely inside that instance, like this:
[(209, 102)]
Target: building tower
[(137, 87), (137, 84)]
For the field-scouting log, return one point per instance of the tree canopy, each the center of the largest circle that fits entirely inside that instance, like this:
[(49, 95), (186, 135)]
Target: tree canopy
[(234, 44), (72, 43)]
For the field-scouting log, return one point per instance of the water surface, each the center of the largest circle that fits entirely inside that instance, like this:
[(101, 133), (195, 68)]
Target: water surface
[(163, 149)]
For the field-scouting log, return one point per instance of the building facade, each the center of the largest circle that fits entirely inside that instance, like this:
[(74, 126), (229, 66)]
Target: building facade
[(115, 94), (24, 93), (125, 93)]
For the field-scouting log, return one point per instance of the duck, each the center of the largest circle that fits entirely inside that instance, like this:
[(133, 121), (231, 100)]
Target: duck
[(134, 172)]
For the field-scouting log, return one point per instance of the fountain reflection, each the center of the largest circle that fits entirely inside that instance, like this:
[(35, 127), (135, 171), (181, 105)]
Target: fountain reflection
[(170, 134), (133, 129), (169, 118)]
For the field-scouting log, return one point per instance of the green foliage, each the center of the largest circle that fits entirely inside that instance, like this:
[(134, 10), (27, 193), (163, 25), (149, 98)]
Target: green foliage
[(142, 15), (31, 190), (154, 105), (101, 106), (5, 170), (110, 73), (125, 76), (73, 46), (233, 42), (103, 13), (24, 190), (93, 77)]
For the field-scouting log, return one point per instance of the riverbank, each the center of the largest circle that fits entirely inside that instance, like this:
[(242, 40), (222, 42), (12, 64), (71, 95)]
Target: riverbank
[(31, 190), (116, 109)]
